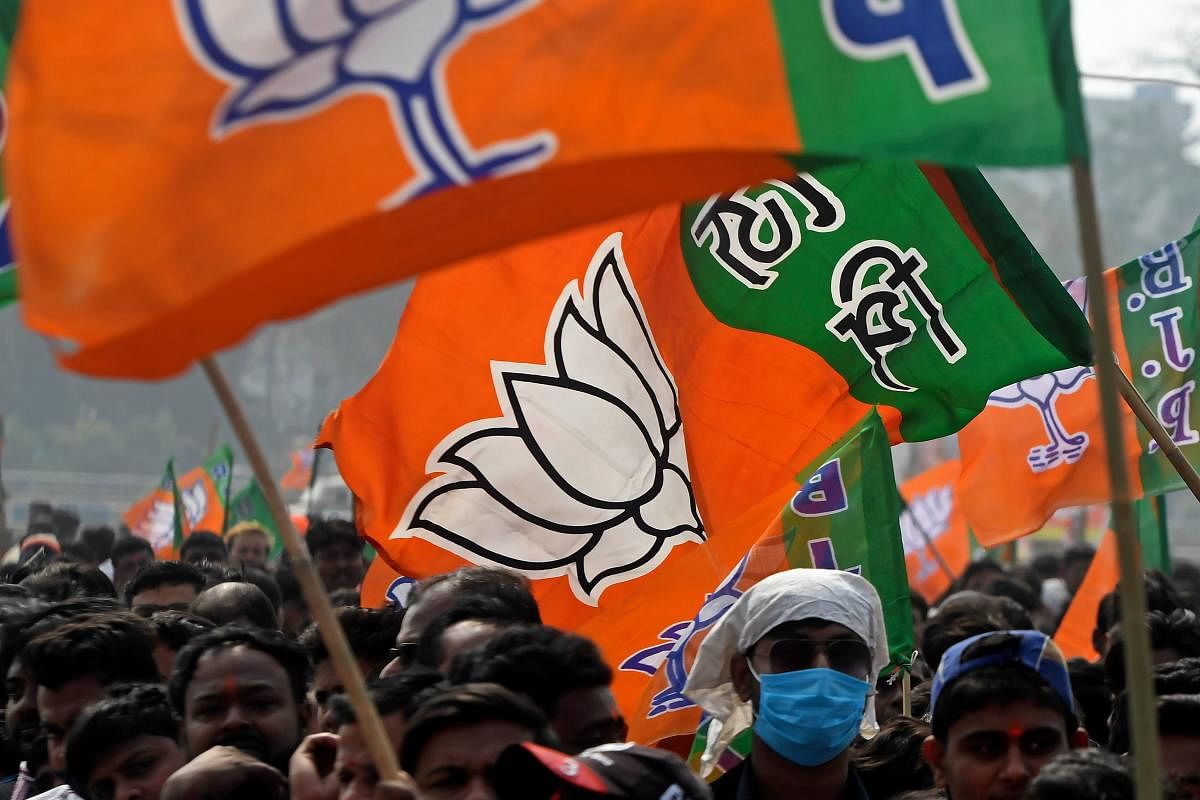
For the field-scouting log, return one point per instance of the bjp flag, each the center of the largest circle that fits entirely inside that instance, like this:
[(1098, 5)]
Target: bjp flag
[(937, 544), (621, 412), (196, 500), (159, 518), (299, 474), (1039, 445), (266, 157)]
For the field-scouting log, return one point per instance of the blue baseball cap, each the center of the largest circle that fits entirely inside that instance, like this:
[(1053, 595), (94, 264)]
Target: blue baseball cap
[(1032, 650)]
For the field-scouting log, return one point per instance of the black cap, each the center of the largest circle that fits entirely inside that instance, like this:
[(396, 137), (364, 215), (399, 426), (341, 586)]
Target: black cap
[(531, 772)]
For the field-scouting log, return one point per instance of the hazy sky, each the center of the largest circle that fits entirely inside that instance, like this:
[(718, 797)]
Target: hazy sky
[(1123, 36)]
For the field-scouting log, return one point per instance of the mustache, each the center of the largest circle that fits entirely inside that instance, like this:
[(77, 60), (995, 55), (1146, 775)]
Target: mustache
[(249, 742)]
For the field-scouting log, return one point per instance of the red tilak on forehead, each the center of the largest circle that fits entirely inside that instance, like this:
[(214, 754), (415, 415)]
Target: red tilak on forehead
[(1015, 733), (230, 684)]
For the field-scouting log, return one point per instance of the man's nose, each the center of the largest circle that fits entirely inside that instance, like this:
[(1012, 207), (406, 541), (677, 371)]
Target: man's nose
[(821, 658), (1015, 769)]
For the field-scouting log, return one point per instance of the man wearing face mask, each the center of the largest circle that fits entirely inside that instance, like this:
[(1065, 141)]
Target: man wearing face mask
[(795, 659)]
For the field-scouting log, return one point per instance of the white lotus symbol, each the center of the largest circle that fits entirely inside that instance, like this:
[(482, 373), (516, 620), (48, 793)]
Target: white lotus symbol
[(585, 474)]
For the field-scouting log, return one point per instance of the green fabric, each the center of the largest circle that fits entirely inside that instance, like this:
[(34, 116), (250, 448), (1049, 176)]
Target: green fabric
[(1158, 296), (169, 483), (8, 284), (792, 294), (250, 505), (219, 467), (876, 99), (847, 516), (1151, 516)]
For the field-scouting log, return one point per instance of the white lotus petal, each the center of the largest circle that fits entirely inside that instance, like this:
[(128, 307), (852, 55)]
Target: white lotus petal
[(671, 507), (319, 20), (614, 557), (303, 78), (372, 7), (505, 463), (677, 452), (595, 447), (401, 44), (481, 525), (587, 358), (247, 31), (623, 322)]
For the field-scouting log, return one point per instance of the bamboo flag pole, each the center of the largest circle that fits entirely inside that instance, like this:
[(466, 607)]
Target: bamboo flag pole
[(1143, 716), (378, 744), (1141, 410)]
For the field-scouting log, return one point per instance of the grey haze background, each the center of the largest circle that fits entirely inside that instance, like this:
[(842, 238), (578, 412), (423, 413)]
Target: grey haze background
[(98, 444)]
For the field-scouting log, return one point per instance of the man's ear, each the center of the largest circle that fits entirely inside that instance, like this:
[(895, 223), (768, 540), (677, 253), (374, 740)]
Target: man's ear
[(1079, 739), (739, 672), (934, 752)]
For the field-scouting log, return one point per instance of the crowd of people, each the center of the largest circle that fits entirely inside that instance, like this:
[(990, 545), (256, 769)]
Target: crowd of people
[(129, 677)]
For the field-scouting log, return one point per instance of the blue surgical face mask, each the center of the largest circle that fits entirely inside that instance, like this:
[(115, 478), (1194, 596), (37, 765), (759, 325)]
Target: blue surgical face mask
[(811, 715)]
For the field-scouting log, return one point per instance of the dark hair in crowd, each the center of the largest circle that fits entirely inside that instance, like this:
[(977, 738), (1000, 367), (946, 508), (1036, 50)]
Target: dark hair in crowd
[(430, 652), (232, 601), (128, 546), (79, 553), (1161, 595), (287, 653), (1078, 554), (100, 538), (891, 761), (289, 587), (536, 661), (129, 710), (162, 573), (966, 614), (64, 579), (205, 539), (1091, 696), (112, 647), (218, 574), (1173, 679), (371, 633), (325, 533), (503, 585), (174, 629), (400, 693), (994, 685), (1083, 775), (1179, 630), (467, 705)]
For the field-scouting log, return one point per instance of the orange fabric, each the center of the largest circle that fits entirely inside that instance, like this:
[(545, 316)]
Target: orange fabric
[(1074, 634), (299, 473), (746, 439), (1002, 497), (137, 221), (154, 512), (199, 497), (933, 506)]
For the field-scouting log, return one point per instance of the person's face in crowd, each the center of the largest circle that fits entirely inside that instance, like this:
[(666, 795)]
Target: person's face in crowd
[(240, 696), (130, 563), (416, 619), (889, 700), (21, 719), (794, 646), (340, 565), (455, 763), (586, 718), (175, 596), (355, 769), (1073, 574), (206, 553), (982, 580), (294, 618), (135, 769), (1181, 761), (995, 752), (59, 708), (249, 550), (325, 684)]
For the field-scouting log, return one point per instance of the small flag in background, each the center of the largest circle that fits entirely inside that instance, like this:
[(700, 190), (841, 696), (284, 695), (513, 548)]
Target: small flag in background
[(936, 540), (1039, 445), (408, 135), (299, 474), (197, 500), (159, 518), (250, 505)]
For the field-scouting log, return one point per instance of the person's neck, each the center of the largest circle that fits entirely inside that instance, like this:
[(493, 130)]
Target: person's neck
[(776, 778)]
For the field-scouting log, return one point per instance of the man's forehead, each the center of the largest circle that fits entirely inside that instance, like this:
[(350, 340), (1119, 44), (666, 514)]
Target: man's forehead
[(244, 664)]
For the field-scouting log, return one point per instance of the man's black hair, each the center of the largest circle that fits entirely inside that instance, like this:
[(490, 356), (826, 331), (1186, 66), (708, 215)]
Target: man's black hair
[(966, 614), (16, 618), (399, 693), (978, 568), (163, 573), (1178, 630), (289, 586), (325, 533), (206, 539), (1180, 677), (128, 546), (100, 538), (129, 710), (503, 585), (998, 685), (371, 633), (112, 647), (470, 704), (290, 656), (218, 574), (229, 602), (174, 629), (64, 579), (1161, 595), (1076, 554), (1083, 774), (79, 553), (919, 604), (429, 651), (891, 761), (1091, 696), (1046, 565), (1017, 591), (536, 661)]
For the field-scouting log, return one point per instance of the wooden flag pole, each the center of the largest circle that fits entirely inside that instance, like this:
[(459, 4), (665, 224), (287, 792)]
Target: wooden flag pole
[(378, 744), (1141, 410), (1143, 716)]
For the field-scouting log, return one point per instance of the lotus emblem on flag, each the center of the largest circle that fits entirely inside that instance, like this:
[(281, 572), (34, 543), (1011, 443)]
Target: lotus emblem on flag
[(585, 474), (289, 58)]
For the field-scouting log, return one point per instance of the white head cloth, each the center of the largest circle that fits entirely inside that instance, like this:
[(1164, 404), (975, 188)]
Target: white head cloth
[(790, 596)]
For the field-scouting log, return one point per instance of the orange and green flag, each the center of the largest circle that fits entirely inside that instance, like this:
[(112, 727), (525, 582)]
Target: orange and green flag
[(937, 544), (1039, 445), (205, 492), (196, 500), (299, 473), (159, 517), (250, 505), (265, 158), (621, 412)]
